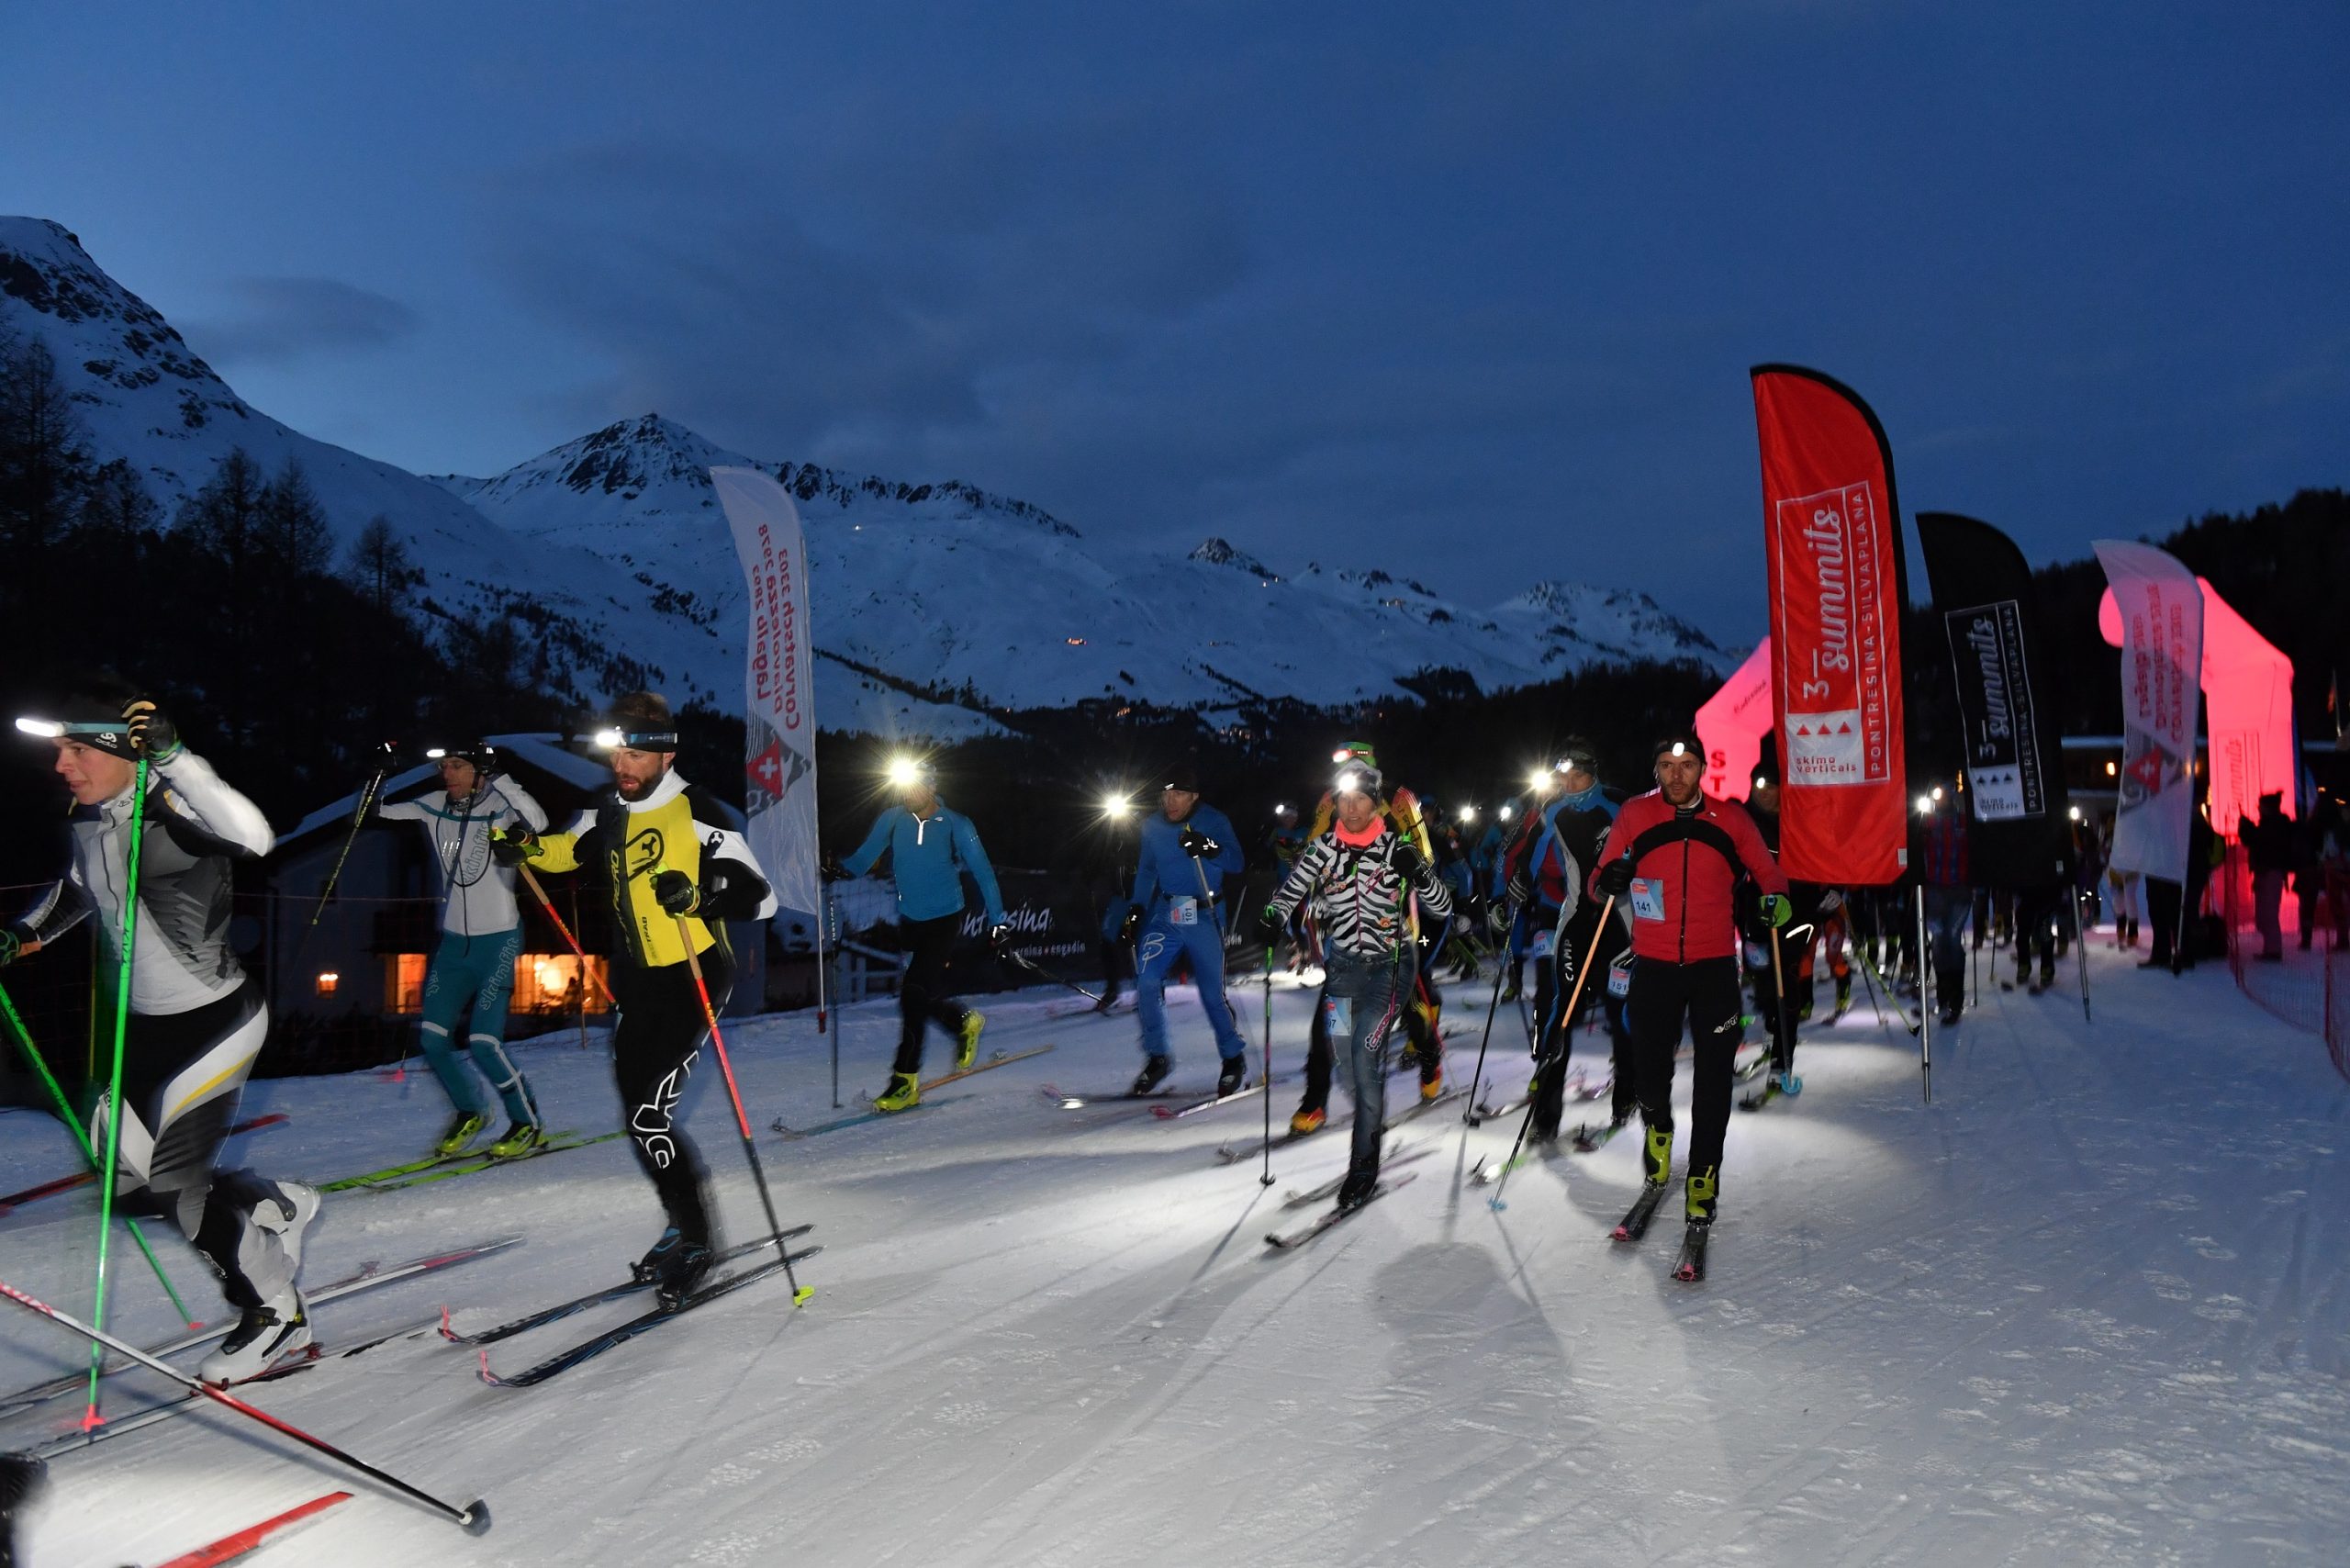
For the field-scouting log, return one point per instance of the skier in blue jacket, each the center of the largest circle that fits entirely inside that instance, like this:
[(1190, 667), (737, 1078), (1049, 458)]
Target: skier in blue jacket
[(1187, 851), (930, 848)]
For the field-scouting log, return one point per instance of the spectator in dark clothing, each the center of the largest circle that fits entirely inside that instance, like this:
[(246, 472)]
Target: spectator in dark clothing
[(2175, 941), (2270, 845), (1939, 854)]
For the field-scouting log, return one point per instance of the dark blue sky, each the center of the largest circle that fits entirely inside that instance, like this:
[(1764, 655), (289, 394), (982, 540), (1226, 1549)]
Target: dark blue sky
[(1468, 292)]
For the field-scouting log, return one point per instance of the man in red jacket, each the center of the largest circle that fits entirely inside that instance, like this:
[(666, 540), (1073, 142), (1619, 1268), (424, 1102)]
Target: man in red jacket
[(1675, 857)]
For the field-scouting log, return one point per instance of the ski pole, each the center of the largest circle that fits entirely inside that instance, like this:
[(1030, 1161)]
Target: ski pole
[(759, 1173), (2081, 951), (1783, 1049), (1501, 967), (1606, 910), (473, 1516), (358, 820), (1044, 974), (90, 1418), (82, 1142), (1267, 1179), (585, 968)]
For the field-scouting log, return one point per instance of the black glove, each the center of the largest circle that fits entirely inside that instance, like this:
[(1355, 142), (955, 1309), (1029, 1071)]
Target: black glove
[(1498, 915), (1520, 892), (1000, 939), (12, 946), (1132, 924), (674, 891), (1199, 845), (152, 730), (1273, 922), (833, 870), (1615, 879), (512, 846), (1407, 860)]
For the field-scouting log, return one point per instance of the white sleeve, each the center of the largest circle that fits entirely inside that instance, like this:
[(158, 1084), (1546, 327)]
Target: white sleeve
[(197, 795), (725, 843), (518, 800), (414, 811)]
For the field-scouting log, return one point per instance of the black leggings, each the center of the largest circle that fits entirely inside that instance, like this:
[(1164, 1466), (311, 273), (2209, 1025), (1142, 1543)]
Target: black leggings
[(921, 997), (1706, 994), (654, 1046)]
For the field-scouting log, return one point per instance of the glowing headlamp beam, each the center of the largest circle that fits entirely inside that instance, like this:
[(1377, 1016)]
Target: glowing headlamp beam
[(50, 729)]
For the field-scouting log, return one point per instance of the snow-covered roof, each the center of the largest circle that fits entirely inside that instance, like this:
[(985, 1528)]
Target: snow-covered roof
[(544, 752)]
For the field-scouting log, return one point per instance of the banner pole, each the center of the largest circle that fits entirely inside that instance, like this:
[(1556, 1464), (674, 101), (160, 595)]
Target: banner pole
[(1925, 1008), (823, 928)]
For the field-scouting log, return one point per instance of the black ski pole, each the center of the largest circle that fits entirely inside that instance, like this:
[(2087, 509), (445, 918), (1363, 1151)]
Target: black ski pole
[(358, 821), (1267, 1179), (1501, 967), (1044, 974), (474, 1515), (1583, 975)]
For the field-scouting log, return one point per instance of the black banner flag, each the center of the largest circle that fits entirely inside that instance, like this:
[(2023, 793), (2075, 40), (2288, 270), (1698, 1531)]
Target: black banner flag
[(2007, 700)]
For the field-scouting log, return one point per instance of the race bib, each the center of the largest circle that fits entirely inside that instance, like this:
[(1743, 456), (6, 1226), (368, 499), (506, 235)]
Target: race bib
[(1338, 1015), (1182, 912), (1540, 946), (1619, 976), (1647, 898)]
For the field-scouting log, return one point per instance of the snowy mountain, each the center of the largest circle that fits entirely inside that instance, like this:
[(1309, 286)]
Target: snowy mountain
[(955, 590), (937, 607)]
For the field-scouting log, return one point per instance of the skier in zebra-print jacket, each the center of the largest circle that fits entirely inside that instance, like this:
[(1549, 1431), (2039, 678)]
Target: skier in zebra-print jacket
[(1365, 870)]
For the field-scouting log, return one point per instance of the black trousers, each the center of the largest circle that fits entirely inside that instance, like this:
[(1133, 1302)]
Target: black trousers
[(922, 998), (1705, 995), (2162, 915), (654, 1046)]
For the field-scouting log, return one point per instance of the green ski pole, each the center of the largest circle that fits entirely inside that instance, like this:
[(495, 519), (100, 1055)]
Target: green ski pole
[(65, 1115), (91, 1419)]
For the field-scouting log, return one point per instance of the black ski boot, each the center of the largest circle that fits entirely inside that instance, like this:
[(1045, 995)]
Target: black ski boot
[(1229, 1076), (1355, 1191), (648, 1268), (1154, 1072), (681, 1272)]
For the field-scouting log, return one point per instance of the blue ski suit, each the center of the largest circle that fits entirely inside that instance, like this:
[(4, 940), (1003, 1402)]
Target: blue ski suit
[(1183, 903)]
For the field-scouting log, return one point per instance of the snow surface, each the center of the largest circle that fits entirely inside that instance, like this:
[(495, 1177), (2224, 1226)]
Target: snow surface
[(2091, 1307)]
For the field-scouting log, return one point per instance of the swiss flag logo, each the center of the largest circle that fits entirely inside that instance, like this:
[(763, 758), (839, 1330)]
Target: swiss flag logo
[(766, 769)]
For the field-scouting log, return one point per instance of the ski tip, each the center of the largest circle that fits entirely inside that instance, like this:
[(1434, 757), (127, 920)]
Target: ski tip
[(801, 1296), (486, 1375), (474, 1516), (1161, 1112), (446, 1332)]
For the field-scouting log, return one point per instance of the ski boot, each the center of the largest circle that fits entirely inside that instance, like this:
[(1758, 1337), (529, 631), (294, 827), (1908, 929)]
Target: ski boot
[(1154, 1072), (1355, 1191), (464, 1127), (1699, 1192), (1230, 1075), (265, 1336), (1309, 1119), (1656, 1155), (681, 1272), (2047, 973), (1948, 1015), (22, 1480), (1432, 1079), (967, 1039), (647, 1268), (1109, 999), (520, 1139), (282, 1210), (1843, 993), (903, 1094)]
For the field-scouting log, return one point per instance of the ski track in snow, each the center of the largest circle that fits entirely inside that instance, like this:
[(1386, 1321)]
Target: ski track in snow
[(2088, 1307)]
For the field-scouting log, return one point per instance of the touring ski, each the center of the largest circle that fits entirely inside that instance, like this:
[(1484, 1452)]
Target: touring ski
[(83, 1178), (1294, 1199), (1591, 1138), (245, 1542), (547, 1315), (1778, 1084), (368, 1277), (473, 1164), (1690, 1267), (1069, 1102), (1635, 1223), (1169, 1113), (611, 1338), (1001, 1058), (859, 1118), (1300, 1236)]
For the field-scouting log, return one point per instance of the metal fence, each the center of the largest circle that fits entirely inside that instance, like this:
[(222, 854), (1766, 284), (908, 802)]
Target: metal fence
[(2308, 983)]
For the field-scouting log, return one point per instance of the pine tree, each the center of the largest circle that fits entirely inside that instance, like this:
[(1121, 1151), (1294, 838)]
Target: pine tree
[(377, 564), (294, 536), (44, 456)]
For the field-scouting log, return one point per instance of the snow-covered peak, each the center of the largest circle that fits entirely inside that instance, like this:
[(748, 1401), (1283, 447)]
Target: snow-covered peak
[(1216, 552)]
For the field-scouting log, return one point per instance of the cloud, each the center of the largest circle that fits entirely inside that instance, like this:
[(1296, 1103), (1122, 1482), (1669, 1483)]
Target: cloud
[(276, 321)]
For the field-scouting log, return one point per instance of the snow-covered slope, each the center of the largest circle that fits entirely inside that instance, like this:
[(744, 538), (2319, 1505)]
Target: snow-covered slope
[(957, 590), (2092, 1307), (143, 395)]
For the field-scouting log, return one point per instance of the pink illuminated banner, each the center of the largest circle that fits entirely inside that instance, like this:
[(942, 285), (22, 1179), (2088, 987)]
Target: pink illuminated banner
[(1733, 723), (2160, 611)]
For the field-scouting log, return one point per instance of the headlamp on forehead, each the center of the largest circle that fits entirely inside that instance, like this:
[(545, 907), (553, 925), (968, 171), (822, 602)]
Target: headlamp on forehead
[(631, 740), (53, 729)]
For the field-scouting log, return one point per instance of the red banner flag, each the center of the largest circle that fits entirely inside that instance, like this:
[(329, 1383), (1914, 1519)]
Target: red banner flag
[(1833, 531)]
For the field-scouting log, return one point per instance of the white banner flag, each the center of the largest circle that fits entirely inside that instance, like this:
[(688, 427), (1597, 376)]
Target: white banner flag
[(779, 694), (2161, 662)]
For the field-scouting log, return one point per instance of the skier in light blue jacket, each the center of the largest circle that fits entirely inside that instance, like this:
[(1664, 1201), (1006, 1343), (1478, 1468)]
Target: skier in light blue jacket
[(1187, 851)]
